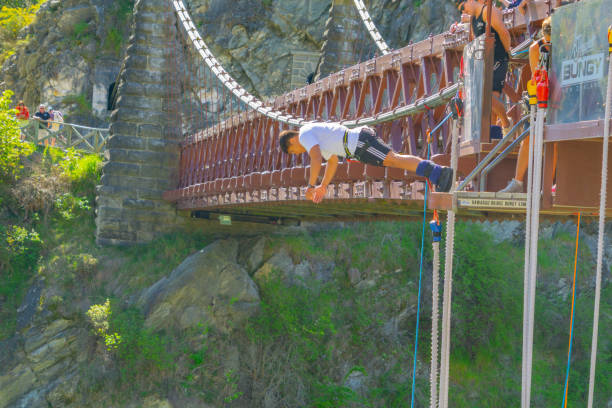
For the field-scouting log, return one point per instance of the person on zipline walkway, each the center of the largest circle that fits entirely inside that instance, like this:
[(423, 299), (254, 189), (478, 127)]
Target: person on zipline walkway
[(539, 57), (477, 9), (330, 140)]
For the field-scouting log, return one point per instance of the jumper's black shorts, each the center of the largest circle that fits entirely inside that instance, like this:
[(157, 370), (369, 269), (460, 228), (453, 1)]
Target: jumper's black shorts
[(500, 68), (370, 148)]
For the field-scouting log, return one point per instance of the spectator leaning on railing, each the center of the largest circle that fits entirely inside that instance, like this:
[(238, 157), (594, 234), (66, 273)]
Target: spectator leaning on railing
[(43, 116), (57, 117)]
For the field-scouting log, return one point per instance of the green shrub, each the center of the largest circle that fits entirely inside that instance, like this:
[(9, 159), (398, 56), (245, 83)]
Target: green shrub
[(81, 33), (330, 395), (82, 171), (99, 316), (69, 206), (19, 250), (11, 147), (141, 350), (114, 40), (124, 10)]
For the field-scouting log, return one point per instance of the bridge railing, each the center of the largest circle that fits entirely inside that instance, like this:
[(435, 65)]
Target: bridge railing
[(65, 135)]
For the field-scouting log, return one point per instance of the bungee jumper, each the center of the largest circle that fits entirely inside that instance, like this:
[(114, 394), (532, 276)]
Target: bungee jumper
[(322, 140)]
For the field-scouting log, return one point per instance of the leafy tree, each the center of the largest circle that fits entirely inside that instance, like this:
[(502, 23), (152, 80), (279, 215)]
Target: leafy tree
[(11, 146), (14, 16)]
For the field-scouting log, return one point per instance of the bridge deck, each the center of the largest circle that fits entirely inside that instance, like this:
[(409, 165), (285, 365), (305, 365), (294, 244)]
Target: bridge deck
[(468, 204)]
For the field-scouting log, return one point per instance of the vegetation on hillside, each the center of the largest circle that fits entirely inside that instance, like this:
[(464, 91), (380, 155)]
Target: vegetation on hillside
[(310, 341), (42, 191), (14, 16)]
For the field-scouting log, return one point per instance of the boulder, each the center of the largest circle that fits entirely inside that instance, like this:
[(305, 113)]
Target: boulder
[(293, 274), (252, 253), (280, 262), (209, 288)]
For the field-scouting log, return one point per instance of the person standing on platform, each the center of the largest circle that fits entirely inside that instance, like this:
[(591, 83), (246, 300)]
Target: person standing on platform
[(539, 56), (478, 11)]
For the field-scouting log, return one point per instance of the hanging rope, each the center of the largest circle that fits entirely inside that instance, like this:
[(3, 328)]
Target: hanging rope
[(531, 89), (436, 229), (569, 351), (533, 251), (416, 339), (602, 218), (448, 274)]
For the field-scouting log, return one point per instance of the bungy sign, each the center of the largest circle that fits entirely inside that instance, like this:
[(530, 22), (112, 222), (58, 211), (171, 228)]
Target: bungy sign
[(583, 69), (579, 61)]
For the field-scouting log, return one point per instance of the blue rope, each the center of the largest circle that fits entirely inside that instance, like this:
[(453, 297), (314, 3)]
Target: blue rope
[(438, 126), (569, 356), (416, 340)]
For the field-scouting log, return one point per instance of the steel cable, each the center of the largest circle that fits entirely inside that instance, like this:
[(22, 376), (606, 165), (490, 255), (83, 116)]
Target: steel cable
[(371, 27)]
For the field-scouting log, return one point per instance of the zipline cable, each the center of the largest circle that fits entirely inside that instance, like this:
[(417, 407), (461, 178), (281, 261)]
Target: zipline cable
[(569, 351), (602, 218), (257, 105)]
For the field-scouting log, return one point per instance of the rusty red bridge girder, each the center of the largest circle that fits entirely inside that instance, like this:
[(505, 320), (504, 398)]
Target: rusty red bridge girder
[(238, 164)]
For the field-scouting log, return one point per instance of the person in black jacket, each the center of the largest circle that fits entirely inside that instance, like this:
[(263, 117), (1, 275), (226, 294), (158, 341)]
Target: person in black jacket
[(43, 116)]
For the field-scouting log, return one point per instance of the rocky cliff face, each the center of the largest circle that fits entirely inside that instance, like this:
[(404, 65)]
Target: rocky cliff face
[(269, 46), (73, 55)]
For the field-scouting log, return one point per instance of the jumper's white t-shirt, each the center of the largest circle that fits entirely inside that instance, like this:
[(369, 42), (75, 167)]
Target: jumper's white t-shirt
[(329, 137)]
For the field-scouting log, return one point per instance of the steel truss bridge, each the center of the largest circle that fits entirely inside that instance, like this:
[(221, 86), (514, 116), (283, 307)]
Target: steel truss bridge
[(232, 164)]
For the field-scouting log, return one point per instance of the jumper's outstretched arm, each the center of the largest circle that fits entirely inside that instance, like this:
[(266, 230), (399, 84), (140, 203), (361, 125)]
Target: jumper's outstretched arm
[(315, 164), (330, 170)]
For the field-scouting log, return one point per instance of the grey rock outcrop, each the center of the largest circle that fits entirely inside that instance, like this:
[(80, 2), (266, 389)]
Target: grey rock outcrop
[(39, 369), (208, 288), (280, 265)]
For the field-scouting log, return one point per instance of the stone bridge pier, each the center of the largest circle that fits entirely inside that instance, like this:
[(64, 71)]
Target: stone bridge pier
[(145, 128), (143, 147)]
